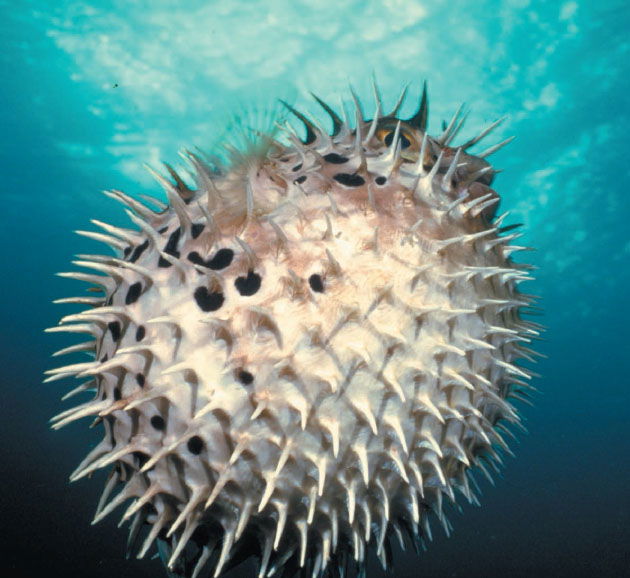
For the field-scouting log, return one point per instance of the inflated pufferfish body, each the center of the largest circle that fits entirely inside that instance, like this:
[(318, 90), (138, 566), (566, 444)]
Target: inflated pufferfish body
[(302, 357)]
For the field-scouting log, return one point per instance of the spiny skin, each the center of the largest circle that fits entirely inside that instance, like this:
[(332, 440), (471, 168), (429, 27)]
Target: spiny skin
[(299, 359)]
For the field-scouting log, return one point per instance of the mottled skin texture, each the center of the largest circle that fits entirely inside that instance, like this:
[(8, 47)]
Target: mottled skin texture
[(303, 356)]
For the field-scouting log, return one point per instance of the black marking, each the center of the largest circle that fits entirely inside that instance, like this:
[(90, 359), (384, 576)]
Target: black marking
[(196, 258), (158, 422), (195, 445), (126, 251), (171, 247), (335, 159), (104, 358), (404, 141), (207, 300), (245, 377), (114, 327), (297, 167), (249, 285), (316, 282), (133, 293), (117, 394), (300, 180), (140, 333), (197, 229), (222, 259), (162, 262), (138, 251), (162, 230), (141, 458), (140, 379), (349, 180), (380, 180)]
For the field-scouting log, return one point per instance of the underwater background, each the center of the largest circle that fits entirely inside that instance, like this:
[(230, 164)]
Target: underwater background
[(90, 91)]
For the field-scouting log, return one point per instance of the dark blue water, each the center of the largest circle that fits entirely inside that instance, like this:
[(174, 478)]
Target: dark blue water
[(91, 91)]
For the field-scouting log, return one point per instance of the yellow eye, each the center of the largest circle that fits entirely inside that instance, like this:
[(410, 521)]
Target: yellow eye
[(386, 135)]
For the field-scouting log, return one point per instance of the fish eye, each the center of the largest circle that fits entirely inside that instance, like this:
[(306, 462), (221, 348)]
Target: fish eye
[(386, 135)]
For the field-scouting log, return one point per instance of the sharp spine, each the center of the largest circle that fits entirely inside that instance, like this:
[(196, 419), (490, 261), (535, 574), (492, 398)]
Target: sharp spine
[(495, 148), (107, 239), (483, 133), (142, 210)]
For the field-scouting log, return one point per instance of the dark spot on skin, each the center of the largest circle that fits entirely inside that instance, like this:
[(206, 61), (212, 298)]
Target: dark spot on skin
[(221, 259), (173, 240), (207, 300), (140, 379), (196, 229), (114, 327), (141, 458), (245, 377), (380, 180), (249, 285), (162, 230), (196, 258), (140, 333), (126, 251), (104, 358), (297, 167), (158, 422), (335, 159), (117, 394), (349, 180), (195, 445), (171, 247), (316, 283), (300, 180), (404, 141), (138, 251), (133, 293)]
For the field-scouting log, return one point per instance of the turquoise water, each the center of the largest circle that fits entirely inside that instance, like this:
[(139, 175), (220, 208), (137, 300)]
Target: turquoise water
[(91, 91)]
